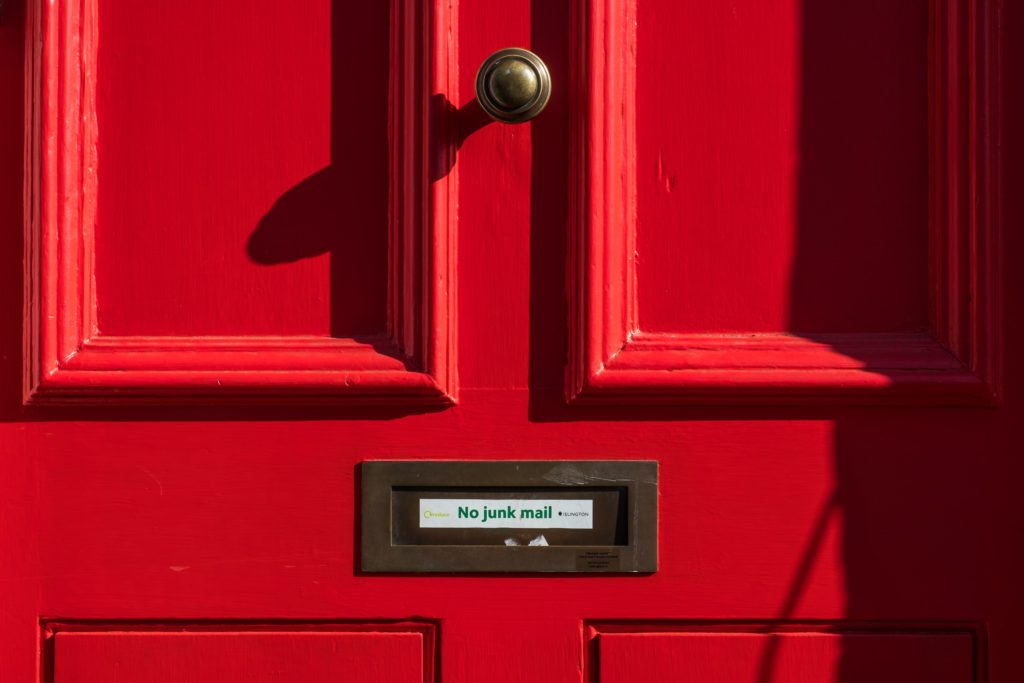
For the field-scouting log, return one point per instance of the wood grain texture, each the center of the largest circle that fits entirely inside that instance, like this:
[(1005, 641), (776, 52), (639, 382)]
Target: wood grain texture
[(154, 656), (69, 359), (791, 657), (615, 359)]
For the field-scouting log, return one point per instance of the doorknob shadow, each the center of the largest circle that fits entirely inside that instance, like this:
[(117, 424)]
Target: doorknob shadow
[(337, 212), (328, 213), (470, 118), (461, 122), (341, 211), (304, 222)]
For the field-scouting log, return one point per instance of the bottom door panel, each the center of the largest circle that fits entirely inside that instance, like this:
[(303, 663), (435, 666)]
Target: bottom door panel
[(229, 656), (785, 657)]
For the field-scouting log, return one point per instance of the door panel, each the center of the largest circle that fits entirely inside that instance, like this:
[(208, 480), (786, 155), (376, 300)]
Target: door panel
[(210, 117), (770, 160), (213, 657), (140, 158), (908, 208), (786, 657)]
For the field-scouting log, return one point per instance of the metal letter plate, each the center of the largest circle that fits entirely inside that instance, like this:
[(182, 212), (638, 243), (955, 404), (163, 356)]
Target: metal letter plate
[(511, 516)]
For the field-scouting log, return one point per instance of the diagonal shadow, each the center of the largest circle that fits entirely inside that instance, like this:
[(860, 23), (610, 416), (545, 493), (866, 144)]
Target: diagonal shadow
[(342, 209), (860, 265), (549, 173)]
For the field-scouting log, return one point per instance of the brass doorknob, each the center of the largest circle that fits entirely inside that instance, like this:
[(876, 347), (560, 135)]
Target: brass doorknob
[(513, 85)]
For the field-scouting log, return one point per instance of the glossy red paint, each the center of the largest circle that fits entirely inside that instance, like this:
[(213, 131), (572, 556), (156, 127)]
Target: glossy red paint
[(944, 352), (760, 242), (408, 360), (797, 655), (207, 654)]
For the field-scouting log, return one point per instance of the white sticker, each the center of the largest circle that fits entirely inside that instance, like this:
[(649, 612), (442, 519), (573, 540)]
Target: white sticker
[(459, 513)]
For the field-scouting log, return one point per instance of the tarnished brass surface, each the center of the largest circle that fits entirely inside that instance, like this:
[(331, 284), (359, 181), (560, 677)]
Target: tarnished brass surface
[(622, 540), (513, 85)]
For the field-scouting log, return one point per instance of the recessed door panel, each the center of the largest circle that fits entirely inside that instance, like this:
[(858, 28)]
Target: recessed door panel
[(225, 148), (782, 167), (256, 657), (779, 203), (792, 657), (236, 203)]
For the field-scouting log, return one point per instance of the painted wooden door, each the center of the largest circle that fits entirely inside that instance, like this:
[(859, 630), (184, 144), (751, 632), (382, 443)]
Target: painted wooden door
[(248, 245)]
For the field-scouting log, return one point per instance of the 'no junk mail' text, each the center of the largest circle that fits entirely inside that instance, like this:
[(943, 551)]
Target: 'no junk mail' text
[(451, 513)]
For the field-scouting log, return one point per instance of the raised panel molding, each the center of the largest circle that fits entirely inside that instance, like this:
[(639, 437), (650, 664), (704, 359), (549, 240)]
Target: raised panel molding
[(68, 360), (822, 650), (154, 650), (955, 362)]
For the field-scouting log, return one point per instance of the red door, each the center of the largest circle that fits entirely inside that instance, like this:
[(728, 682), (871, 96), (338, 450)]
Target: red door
[(262, 242)]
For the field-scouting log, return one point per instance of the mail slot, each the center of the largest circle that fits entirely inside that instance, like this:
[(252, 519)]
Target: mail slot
[(510, 516)]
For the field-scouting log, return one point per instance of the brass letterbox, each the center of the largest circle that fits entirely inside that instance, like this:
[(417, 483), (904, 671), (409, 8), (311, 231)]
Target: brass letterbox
[(518, 516)]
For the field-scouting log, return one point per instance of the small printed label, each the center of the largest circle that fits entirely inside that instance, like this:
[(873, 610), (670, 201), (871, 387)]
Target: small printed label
[(458, 513), (598, 561)]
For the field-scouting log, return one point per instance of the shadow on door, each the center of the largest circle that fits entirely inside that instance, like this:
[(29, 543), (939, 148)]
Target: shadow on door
[(342, 209)]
